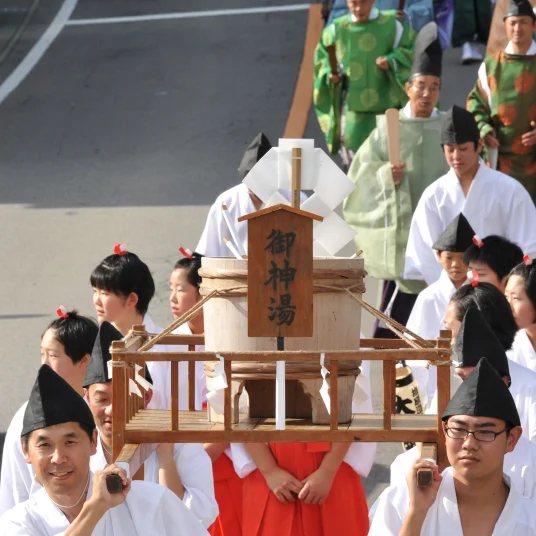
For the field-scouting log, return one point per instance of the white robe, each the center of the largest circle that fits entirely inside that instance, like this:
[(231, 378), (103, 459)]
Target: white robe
[(427, 320), (148, 509), (17, 476), (238, 204), (518, 517), (195, 471), (495, 204), (522, 351), (519, 465)]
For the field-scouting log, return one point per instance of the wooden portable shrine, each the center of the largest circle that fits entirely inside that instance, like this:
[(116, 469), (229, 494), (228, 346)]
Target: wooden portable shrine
[(280, 292)]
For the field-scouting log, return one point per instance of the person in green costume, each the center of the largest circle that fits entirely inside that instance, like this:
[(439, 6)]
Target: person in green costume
[(374, 52), (470, 28), (503, 100), (382, 205)]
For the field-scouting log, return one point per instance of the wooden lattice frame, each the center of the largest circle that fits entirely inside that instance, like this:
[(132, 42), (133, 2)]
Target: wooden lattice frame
[(134, 426)]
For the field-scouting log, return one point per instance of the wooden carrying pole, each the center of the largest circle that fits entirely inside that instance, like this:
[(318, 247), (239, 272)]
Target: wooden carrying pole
[(393, 135), (296, 177)]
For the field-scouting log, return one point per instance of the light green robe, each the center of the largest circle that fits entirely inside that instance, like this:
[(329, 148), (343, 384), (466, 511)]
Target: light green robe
[(381, 212)]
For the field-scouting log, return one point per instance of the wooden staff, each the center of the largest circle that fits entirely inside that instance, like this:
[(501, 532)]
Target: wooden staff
[(425, 477), (296, 177), (333, 62), (393, 135)]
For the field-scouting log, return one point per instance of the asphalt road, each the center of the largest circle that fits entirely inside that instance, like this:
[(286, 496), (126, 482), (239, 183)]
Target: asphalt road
[(126, 133)]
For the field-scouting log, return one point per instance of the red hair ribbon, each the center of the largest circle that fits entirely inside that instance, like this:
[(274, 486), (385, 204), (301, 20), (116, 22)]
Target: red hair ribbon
[(120, 249), (476, 279), (61, 311), (477, 241), (186, 252), (527, 260)]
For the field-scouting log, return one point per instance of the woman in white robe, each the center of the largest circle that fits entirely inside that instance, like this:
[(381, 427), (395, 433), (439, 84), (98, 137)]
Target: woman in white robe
[(521, 295)]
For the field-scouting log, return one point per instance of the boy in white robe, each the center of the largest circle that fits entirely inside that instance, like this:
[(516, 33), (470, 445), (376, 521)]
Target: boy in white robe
[(58, 438), (473, 496), (184, 468), (66, 347), (492, 259), (494, 203), (474, 340)]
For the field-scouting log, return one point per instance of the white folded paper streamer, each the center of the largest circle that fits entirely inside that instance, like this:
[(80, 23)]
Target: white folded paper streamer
[(324, 390), (215, 396), (132, 383)]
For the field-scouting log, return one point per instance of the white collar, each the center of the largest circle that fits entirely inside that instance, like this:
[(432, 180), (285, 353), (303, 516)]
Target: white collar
[(530, 52), (409, 113), (374, 14)]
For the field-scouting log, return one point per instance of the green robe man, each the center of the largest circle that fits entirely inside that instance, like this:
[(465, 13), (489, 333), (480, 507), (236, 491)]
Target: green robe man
[(503, 100), (381, 207), (374, 52)]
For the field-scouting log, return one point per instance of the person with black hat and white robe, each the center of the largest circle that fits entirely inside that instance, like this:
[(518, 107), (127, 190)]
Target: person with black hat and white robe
[(503, 100), (474, 495), (58, 439), (386, 194), (185, 468), (475, 340), (426, 318), (493, 202), (238, 201)]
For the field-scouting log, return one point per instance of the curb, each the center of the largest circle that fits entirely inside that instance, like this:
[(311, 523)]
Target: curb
[(14, 39)]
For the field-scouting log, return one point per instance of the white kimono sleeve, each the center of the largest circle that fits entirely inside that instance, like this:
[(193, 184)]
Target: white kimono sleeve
[(16, 477), (521, 225), (423, 319), (389, 511), (426, 225), (195, 471), (211, 242)]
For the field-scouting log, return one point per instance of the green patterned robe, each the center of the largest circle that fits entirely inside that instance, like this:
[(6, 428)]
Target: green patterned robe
[(381, 212), (371, 90), (504, 100)]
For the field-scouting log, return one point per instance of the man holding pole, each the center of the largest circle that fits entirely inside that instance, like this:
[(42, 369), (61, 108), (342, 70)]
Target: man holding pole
[(400, 158)]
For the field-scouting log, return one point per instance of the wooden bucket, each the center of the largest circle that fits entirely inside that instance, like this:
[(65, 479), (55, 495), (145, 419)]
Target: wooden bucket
[(336, 326)]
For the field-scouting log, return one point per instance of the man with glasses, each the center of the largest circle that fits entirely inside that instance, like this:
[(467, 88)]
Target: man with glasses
[(474, 340), (473, 496), (386, 195)]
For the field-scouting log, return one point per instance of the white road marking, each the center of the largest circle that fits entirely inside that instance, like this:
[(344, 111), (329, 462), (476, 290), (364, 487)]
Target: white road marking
[(38, 50), (190, 15)]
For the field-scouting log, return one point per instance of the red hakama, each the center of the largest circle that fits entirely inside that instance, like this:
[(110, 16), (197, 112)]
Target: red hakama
[(344, 511), (228, 491)]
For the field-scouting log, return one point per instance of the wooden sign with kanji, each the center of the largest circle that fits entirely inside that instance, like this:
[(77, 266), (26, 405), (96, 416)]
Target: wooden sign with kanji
[(280, 272)]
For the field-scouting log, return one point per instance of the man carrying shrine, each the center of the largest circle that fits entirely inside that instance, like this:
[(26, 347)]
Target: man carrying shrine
[(373, 52), (381, 206), (503, 100)]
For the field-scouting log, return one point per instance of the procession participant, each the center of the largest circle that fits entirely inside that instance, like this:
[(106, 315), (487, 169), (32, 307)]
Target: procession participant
[(66, 347), (184, 284), (473, 496), (123, 287), (374, 51), (381, 206), (470, 28), (426, 318), (239, 200), (184, 468), (503, 100), (521, 295), (494, 307), (476, 339), (493, 202), (58, 437), (492, 259)]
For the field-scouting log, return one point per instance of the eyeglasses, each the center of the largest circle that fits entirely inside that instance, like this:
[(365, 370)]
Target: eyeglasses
[(421, 90), (487, 436)]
